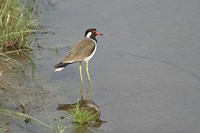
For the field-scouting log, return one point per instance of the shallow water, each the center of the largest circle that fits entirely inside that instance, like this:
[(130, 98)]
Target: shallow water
[(145, 72)]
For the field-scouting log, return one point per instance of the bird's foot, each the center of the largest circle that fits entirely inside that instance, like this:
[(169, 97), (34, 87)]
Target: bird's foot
[(90, 81)]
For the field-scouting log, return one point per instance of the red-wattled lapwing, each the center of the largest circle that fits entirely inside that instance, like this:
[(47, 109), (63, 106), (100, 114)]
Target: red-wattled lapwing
[(82, 51)]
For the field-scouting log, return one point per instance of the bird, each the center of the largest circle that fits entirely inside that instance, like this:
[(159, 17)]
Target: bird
[(82, 51)]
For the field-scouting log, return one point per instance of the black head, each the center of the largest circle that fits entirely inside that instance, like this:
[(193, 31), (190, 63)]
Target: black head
[(92, 33)]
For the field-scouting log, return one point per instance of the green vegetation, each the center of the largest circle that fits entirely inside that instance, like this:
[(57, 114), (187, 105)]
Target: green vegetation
[(83, 115), (59, 128), (22, 116), (17, 23), (3, 128)]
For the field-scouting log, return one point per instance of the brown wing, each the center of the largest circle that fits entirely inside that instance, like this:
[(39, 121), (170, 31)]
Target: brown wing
[(80, 51)]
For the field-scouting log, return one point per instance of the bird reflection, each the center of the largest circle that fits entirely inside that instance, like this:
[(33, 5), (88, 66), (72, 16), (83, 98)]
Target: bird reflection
[(84, 105)]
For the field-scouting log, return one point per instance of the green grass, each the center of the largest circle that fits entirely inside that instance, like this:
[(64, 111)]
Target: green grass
[(3, 128), (82, 116), (57, 128), (17, 23), (22, 116)]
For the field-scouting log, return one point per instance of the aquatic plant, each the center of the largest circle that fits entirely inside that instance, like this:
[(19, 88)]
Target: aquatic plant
[(83, 115), (53, 128), (25, 117)]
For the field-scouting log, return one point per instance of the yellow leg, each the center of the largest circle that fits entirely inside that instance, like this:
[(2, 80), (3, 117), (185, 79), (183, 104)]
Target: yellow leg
[(80, 69), (88, 91), (81, 90), (87, 71)]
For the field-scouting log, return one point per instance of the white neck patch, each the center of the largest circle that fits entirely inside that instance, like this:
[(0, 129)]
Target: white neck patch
[(89, 34)]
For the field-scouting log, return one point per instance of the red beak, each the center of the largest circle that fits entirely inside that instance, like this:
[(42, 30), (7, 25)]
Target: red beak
[(98, 33)]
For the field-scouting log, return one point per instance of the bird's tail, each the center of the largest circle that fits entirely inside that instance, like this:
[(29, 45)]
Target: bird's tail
[(60, 66)]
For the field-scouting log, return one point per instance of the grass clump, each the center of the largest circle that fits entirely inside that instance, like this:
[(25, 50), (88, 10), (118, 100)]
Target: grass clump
[(17, 23), (83, 115)]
